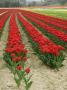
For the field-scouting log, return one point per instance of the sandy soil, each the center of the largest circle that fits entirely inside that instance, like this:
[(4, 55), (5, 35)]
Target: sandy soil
[(43, 77)]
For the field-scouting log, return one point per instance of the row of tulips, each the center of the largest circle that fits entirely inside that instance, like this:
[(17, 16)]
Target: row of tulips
[(15, 55), (61, 35), (50, 18), (47, 51), (2, 22), (48, 21)]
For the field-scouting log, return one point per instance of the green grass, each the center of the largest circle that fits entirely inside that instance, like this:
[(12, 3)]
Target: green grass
[(60, 13)]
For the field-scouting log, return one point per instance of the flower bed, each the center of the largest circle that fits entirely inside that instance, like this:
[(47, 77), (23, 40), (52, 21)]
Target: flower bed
[(2, 22), (47, 20), (52, 19), (51, 30), (52, 37), (15, 55), (48, 52)]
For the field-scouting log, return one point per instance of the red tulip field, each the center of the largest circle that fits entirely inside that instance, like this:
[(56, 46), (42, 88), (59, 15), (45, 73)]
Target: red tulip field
[(33, 51)]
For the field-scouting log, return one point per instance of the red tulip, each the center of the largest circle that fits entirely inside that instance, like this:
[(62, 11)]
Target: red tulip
[(27, 70), (25, 59), (19, 67)]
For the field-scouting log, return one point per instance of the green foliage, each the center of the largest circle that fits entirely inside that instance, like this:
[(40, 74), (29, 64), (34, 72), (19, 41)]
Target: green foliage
[(60, 13)]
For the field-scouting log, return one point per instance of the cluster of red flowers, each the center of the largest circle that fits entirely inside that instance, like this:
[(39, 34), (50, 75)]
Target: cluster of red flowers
[(51, 30), (15, 47), (3, 20), (45, 45)]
